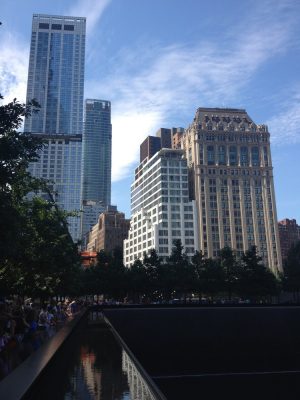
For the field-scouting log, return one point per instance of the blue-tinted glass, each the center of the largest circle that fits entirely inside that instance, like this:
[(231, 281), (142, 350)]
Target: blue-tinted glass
[(97, 152)]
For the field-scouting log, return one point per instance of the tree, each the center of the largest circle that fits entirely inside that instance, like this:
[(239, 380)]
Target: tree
[(256, 281), (152, 265), (211, 277), (17, 150), (37, 254), (109, 275), (231, 270), (47, 261), (199, 265), (137, 281), (180, 270)]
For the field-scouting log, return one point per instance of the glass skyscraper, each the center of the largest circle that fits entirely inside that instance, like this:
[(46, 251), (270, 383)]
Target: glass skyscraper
[(97, 142), (56, 74), (56, 81)]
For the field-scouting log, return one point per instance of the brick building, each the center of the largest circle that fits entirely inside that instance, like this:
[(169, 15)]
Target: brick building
[(289, 234), (109, 232)]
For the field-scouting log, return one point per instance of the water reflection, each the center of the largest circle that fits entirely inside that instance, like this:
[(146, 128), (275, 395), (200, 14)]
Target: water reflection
[(97, 372), (139, 389), (91, 365)]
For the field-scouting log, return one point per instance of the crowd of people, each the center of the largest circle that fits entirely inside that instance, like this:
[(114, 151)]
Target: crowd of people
[(26, 325)]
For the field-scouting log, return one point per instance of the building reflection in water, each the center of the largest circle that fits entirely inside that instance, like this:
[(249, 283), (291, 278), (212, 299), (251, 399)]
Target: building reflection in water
[(91, 366), (139, 390), (91, 375), (97, 374)]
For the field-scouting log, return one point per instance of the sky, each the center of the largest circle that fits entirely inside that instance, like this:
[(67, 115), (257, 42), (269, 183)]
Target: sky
[(157, 61)]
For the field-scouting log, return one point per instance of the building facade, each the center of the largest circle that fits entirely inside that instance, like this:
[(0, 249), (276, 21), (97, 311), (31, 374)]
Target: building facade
[(96, 161), (150, 146), (232, 182), (176, 137), (165, 138), (160, 208), (60, 164), (90, 214), (56, 81), (56, 74), (289, 234), (109, 232), (170, 137)]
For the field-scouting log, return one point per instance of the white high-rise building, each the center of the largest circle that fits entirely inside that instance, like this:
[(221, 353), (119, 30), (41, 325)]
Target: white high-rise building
[(160, 208)]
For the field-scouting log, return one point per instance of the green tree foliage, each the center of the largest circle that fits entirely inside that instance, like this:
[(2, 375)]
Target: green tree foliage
[(256, 281), (107, 277), (199, 265), (153, 269), (231, 270), (211, 278), (137, 281), (37, 254), (181, 270), (16, 151), (177, 277)]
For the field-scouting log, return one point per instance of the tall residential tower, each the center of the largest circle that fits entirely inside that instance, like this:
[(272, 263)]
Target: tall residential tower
[(161, 211), (56, 81)]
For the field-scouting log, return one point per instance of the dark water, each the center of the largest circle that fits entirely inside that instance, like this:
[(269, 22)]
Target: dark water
[(91, 365)]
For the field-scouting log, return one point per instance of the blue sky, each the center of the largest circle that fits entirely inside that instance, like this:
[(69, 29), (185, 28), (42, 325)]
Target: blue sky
[(157, 61)]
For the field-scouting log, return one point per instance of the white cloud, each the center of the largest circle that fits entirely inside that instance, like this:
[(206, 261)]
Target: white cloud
[(13, 68), (132, 128), (176, 79), (285, 127), (91, 9)]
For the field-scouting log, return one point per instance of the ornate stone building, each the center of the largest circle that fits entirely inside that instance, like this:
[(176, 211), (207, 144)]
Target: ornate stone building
[(231, 179)]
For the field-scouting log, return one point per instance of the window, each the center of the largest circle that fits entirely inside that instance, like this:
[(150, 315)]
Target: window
[(244, 156), (43, 25), (210, 155), (69, 27), (222, 155), (255, 156), (266, 156), (163, 241), (232, 155)]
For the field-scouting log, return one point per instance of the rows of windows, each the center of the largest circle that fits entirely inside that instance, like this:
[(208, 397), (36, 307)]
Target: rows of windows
[(243, 156), (250, 138)]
